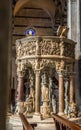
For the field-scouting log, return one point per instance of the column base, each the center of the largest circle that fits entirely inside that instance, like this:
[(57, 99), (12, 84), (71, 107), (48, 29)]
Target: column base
[(37, 116), (61, 114), (45, 110)]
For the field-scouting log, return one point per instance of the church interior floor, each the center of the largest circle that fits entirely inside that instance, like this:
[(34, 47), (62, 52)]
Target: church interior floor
[(16, 127), (14, 123)]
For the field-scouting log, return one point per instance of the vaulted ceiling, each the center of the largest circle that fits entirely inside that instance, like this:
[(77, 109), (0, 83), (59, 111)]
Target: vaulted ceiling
[(43, 15), (52, 7)]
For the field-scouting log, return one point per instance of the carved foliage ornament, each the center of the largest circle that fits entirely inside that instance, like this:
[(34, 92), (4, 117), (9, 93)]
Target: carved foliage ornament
[(60, 65), (22, 66)]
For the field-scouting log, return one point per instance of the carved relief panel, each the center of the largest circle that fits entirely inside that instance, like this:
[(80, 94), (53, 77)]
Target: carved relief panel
[(50, 47)]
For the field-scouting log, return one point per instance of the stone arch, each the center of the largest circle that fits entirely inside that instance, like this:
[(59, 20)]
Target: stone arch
[(45, 5), (53, 8)]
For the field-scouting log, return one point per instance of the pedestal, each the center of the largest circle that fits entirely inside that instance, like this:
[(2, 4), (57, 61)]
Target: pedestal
[(45, 110)]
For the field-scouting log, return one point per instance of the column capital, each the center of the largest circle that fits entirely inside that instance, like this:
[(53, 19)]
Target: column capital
[(61, 72), (37, 71), (20, 74)]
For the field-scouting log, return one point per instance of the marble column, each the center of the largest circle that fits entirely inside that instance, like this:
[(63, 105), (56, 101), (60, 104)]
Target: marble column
[(20, 88), (72, 16), (74, 23), (50, 91), (4, 47), (10, 58), (37, 91), (72, 88), (61, 94), (20, 105)]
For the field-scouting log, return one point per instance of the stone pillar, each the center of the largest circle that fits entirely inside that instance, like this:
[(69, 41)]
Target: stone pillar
[(20, 88), (37, 92), (20, 107), (74, 23), (50, 91), (72, 16), (61, 94), (69, 17), (4, 35), (10, 58), (72, 88)]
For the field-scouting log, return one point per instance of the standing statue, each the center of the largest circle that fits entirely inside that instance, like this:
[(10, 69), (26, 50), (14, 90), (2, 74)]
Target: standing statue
[(19, 52), (66, 96), (54, 103), (37, 48), (72, 111), (45, 93), (28, 105), (19, 108), (32, 93)]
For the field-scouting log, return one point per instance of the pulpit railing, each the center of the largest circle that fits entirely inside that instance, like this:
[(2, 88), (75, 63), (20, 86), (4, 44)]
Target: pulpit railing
[(26, 124), (64, 124)]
